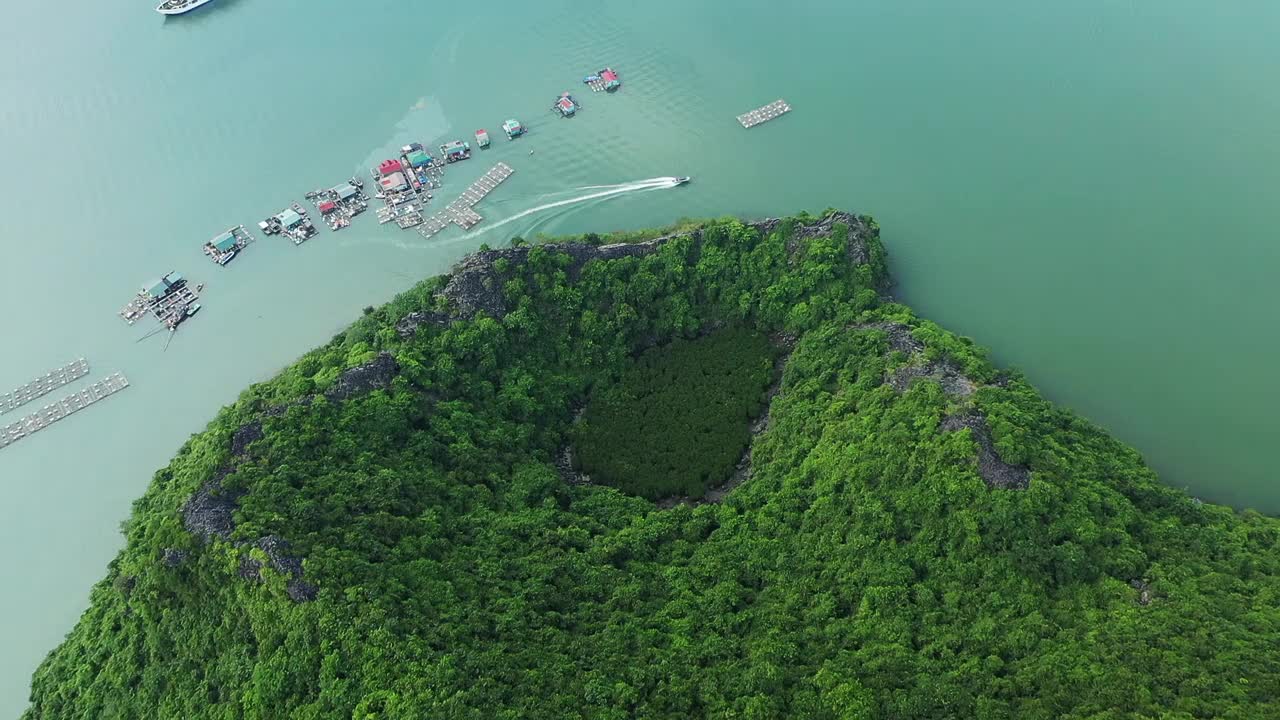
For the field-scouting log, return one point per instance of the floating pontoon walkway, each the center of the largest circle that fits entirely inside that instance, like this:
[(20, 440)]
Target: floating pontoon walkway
[(459, 211), (43, 385), (61, 409), (775, 109)]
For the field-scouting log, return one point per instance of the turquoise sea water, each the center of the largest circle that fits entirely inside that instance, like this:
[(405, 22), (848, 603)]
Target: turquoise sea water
[(1086, 188)]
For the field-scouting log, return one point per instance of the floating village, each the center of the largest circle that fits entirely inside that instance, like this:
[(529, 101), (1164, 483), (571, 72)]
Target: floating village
[(405, 185)]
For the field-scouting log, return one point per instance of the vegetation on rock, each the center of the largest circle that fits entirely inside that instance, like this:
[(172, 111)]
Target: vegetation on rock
[(380, 531)]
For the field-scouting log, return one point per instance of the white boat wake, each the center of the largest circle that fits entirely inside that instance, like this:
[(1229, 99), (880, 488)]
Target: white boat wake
[(658, 183)]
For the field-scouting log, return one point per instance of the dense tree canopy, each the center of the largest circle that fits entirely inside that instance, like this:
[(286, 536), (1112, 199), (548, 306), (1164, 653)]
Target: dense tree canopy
[(677, 420), (381, 530)]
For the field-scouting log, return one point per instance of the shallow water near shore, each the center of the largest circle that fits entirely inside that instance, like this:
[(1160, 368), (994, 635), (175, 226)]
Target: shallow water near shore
[(1085, 188)]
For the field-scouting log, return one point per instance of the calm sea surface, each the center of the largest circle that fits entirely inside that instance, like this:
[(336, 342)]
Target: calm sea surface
[(1086, 188)]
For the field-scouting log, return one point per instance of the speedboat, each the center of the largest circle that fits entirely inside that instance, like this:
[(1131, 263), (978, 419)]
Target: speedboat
[(178, 7), (683, 180)]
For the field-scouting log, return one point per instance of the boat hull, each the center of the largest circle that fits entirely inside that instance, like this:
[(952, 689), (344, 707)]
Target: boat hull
[(181, 10)]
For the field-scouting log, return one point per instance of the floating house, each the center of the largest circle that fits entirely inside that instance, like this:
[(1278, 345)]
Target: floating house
[(418, 158), (345, 191), (288, 219), (327, 206), (223, 248), (388, 167), (482, 138), (455, 150), (165, 285), (513, 129), (565, 105), (224, 242), (610, 79), (293, 224), (226, 246), (393, 182)]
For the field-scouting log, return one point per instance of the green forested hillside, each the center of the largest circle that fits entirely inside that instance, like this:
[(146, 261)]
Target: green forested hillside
[(386, 530)]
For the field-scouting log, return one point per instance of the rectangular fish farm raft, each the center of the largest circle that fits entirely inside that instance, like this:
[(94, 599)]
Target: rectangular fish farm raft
[(170, 300), (49, 382), (775, 109), (459, 211), (64, 408)]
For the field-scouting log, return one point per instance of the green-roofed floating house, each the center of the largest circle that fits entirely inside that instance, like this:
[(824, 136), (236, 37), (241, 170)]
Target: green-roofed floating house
[(455, 150), (167, 299), (418, 159), (226, 246), (156, 289), (513, 129)]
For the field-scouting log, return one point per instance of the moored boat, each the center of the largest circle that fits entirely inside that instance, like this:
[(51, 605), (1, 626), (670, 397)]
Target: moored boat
[(178, 7)]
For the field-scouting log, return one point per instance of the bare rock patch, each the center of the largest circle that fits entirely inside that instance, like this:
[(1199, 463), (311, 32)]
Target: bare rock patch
[(994, 471)]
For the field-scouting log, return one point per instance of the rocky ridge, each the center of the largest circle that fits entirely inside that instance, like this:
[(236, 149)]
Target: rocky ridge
[(209, 513), (995, 472), (475, 285)]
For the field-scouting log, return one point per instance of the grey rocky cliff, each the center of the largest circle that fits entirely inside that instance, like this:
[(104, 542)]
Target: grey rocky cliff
[(245, 436), (172, 557), (1145, 593), (278, 559), (365, 378), (952, 379), (897, 335), (208, 513), (994, 471), (946, 373)]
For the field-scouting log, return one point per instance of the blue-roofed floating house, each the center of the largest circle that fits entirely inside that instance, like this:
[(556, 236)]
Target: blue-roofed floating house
[(288, 219), (166, 299), (293, 224), (455, 150), (345, 191), (226, 246), (224, 242), (155, 289)]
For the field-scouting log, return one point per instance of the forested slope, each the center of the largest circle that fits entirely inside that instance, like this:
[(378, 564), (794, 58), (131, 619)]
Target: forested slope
[(386, 529)]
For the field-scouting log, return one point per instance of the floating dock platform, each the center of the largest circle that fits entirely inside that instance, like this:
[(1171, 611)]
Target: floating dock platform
[(604, 80), (44, 385), (62, 409), (455, 150), (566, 105), (340, 203), (292, 222), (170, 299), (405, 184), (775, 109), (226, 246), (459, 212)]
